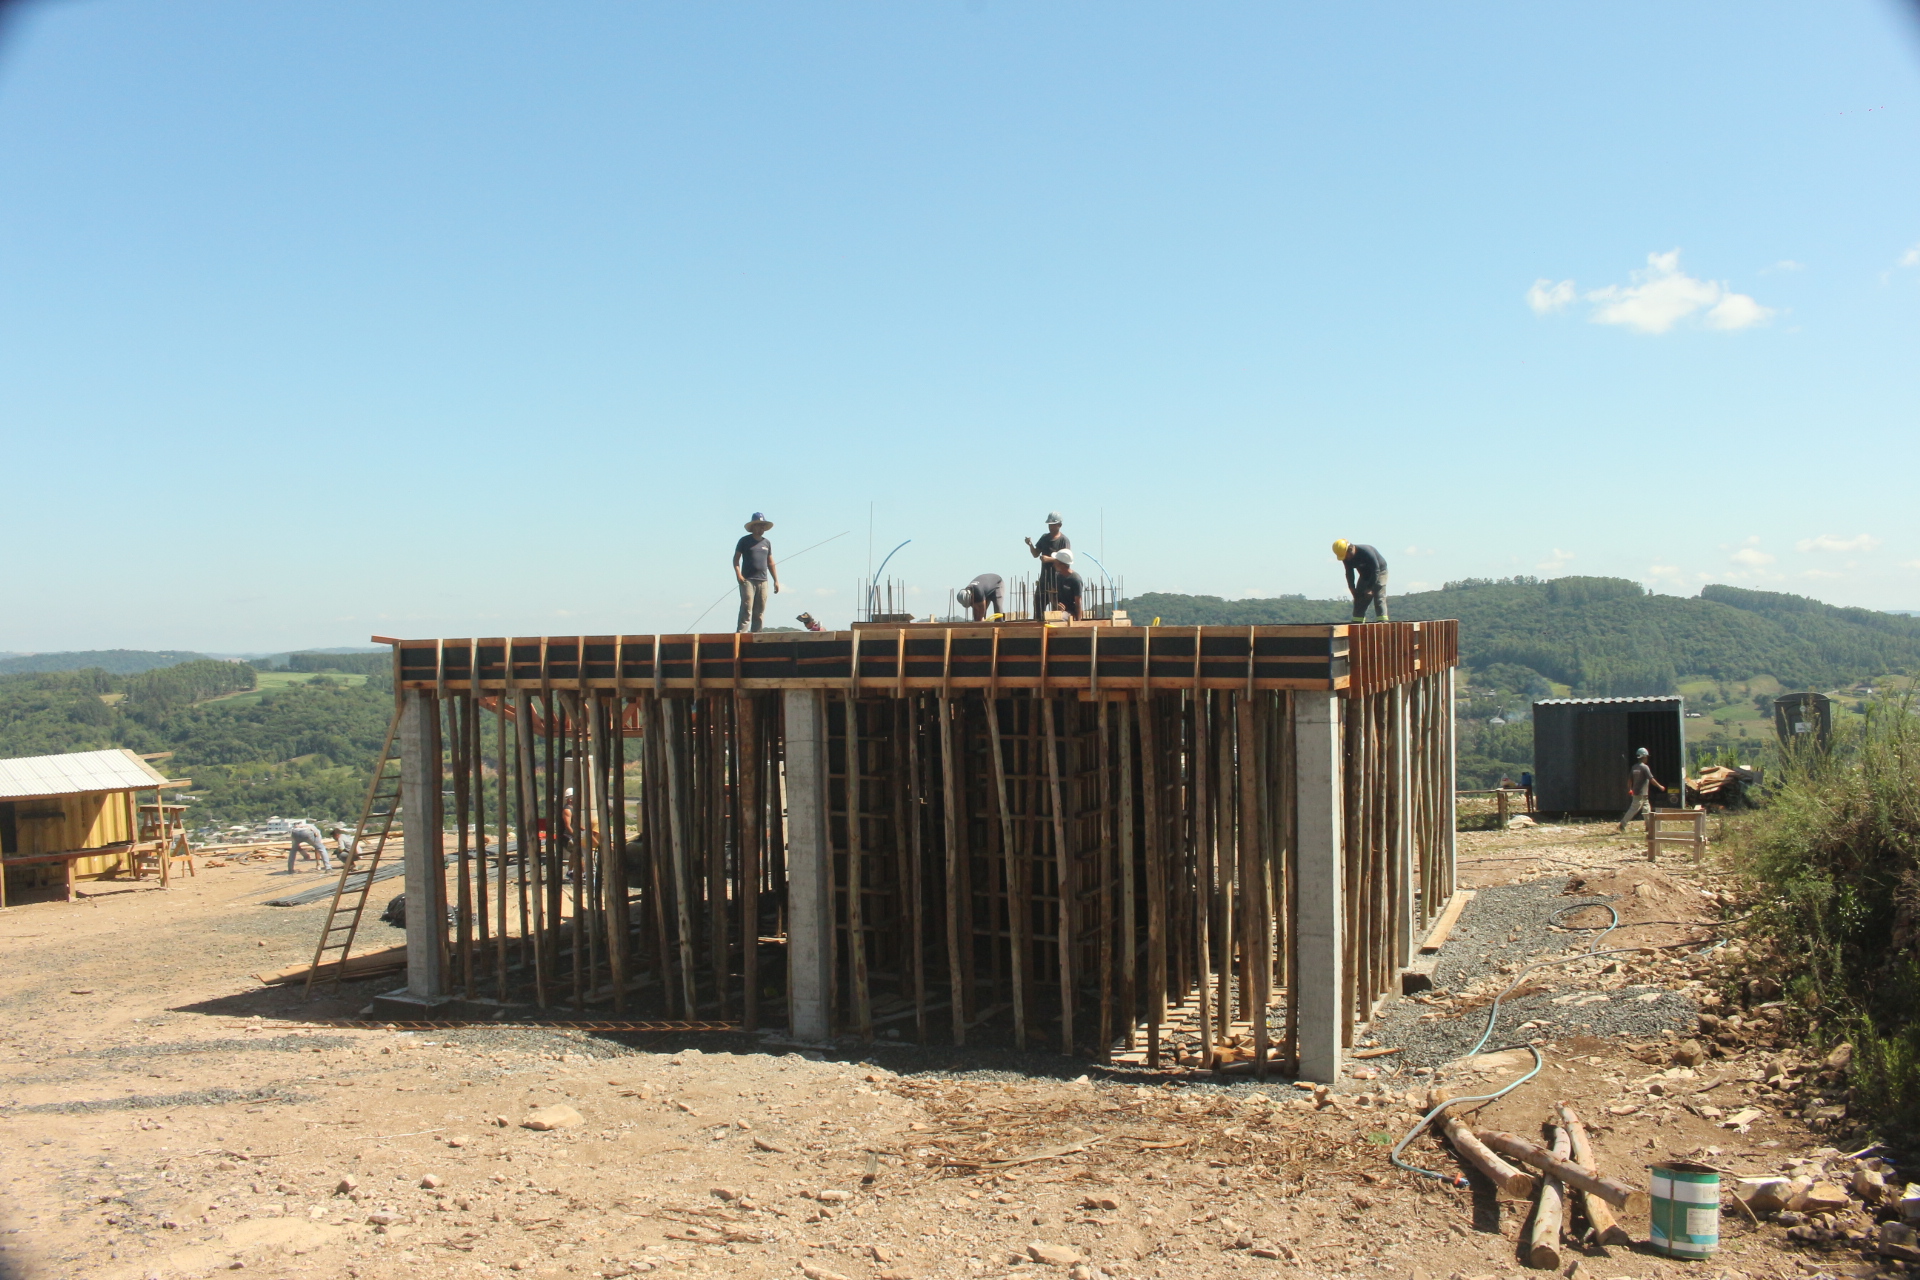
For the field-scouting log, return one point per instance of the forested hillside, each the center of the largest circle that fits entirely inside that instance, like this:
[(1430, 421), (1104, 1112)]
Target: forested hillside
[(117, 662), (304, 748), (1607, 636)]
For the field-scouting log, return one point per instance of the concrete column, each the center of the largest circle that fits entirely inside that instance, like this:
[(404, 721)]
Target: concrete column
[(809, 868), (1400, 822), (1317, 789), (420, 820)]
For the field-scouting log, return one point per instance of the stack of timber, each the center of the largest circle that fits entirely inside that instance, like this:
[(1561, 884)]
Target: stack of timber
[(1032, 836)]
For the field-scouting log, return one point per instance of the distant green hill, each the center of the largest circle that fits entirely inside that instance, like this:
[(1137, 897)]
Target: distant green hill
[(117, 662), (1608, 636)]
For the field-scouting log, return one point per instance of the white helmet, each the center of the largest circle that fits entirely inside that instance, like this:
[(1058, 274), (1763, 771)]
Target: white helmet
[(1064, 556)]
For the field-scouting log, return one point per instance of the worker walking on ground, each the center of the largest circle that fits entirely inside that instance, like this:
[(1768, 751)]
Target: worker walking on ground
[(982, 595), (754, 568), (1053, 540), (1066, 583), (306, 833), (1366, 577), (1640, 785)]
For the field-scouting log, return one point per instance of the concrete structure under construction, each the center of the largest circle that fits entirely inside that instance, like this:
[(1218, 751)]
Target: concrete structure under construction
[(1089, 837)]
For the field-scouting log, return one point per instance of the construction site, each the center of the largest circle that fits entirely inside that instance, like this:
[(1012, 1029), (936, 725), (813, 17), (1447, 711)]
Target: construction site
[(919, 950)]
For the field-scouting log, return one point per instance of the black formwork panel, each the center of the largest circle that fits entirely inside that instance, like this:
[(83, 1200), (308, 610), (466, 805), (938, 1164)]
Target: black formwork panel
[(1583, 750)]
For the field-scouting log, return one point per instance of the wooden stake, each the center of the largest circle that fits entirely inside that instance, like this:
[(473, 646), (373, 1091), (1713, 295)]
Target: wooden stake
[(1543, 1236), (1606, 1228)]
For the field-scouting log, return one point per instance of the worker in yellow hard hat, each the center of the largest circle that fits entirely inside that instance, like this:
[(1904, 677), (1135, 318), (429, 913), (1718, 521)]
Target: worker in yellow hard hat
[(1366, 577)]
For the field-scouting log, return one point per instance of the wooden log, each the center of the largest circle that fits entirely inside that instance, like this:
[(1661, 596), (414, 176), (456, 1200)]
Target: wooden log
[(1504, 1176), (1627, 1199), (1606, 1228), (1543, 1234)]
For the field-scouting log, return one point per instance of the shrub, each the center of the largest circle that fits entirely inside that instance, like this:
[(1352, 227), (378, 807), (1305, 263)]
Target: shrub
[(1834, 862)]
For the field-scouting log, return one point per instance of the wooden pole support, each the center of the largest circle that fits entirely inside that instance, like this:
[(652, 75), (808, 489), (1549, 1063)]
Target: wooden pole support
[(1606, 1229), (1504, 1176), (1543, 1236), (1629, 1200)]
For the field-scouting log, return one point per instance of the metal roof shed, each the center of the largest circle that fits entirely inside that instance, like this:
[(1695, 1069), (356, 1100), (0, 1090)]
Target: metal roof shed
[(1583, 749)]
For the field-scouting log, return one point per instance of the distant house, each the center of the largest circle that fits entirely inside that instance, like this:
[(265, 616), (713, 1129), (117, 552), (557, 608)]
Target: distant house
[(78, 816)]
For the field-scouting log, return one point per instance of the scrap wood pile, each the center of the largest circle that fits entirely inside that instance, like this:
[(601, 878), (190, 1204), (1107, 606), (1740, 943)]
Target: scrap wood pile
[(1559, 1177), (1723, 785)]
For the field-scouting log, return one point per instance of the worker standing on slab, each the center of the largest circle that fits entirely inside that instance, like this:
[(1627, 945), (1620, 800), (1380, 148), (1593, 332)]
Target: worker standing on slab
[(1640, 785), (982, 595), (1066, 583), (754, 568), (306, 833), (1053, 540), (1366, 577)]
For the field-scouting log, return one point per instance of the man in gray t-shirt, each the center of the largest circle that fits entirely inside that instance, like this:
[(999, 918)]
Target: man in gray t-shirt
[(306, 833), (754, 569), (1640, 785)]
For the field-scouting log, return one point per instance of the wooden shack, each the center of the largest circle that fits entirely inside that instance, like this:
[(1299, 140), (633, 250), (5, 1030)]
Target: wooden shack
[(78, 816)]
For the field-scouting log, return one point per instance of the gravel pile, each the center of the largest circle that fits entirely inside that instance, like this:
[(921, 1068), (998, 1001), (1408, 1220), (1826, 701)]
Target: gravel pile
[(1509, 925)]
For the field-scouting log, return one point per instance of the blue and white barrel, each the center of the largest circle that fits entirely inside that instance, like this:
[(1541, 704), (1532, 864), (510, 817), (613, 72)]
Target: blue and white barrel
[(1686, 1208)]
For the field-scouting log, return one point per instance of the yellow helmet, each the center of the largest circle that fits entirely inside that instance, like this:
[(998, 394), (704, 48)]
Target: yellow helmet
[(1340, 548)]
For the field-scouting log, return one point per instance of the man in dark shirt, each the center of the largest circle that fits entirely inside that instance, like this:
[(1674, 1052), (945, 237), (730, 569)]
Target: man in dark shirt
[(754, 568), (982, 595), (1053, 540), (1640, 784), (1066, 583), (1366, 577)]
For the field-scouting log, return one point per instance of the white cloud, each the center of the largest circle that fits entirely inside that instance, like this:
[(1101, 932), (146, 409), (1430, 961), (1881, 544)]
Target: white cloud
[(1546, 297), (1556, 562), (1834, 542), (1662, 295), (1752, 557), (1667, 573), (1911, 258)]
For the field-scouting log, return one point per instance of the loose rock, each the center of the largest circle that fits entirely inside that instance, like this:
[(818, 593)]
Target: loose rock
[(559, 1116)]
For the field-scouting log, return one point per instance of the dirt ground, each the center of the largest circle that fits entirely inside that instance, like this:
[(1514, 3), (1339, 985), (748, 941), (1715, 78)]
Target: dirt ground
[(163, 1114)]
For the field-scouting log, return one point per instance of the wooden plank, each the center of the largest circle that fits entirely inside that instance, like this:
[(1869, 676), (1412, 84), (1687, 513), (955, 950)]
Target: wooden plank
[(1443, 927)]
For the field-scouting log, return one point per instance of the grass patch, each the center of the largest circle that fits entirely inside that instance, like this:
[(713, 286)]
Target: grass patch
[(274, 681)]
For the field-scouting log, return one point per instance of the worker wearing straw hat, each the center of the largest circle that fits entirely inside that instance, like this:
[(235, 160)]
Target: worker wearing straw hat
[(754, 568)]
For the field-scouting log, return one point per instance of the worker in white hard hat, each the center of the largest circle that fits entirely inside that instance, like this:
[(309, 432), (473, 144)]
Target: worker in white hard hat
[(1053, 540), (1066, 583), (1640, 785), (1366, 577)]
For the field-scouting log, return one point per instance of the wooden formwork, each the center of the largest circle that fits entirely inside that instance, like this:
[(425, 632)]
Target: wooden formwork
[(1024, 843)]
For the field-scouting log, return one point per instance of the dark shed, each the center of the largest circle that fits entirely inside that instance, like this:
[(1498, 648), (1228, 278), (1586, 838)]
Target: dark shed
[(1583, 750), (1800, 717)]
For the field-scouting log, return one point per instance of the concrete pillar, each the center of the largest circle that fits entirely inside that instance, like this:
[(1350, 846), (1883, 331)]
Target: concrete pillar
[(1317, 789), (1400, 827), (425, 860), (809, 868)]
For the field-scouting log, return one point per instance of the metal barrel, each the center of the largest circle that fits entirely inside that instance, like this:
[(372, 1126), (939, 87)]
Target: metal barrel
[(1686, 1209)]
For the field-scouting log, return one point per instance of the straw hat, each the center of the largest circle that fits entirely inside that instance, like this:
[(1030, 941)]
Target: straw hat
[(759, 523)]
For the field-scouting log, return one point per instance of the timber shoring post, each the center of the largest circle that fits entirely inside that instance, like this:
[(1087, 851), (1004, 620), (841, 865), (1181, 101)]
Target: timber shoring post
[(458, 760), (916, 888), (949, 806), (500, 790), (532, 886), (678, 785), (1156, 883), (749, 773), (1205, 895), (1016, 904), (1063, 872), (1129, 940), (1104, 758), (653, 792)]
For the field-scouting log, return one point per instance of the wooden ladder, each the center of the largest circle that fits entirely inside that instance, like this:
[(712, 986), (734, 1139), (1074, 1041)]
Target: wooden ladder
[(357, 868)]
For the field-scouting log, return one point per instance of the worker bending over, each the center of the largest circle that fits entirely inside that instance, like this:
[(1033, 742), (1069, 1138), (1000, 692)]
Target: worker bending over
[(1366, 577), (1066, 583), (1640, 785), (982, 595), (1053, 540)]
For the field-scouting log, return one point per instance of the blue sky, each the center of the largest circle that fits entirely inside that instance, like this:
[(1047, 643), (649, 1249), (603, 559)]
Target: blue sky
[(318, 321)]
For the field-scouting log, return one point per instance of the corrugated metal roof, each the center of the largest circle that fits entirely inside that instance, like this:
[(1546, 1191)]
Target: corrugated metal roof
[(1587, 702), (75, 772)]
